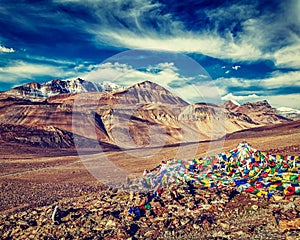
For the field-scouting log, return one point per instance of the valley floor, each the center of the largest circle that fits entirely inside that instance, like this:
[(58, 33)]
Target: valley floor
[(35, 178)]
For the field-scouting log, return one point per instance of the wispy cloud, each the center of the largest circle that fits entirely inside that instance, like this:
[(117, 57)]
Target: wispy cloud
[(49, 61), (240, 31), (248, 36), (276, 80), (17, 71), (4, 49), (21, 68), (209, 44), (279, 80), (288, 56)]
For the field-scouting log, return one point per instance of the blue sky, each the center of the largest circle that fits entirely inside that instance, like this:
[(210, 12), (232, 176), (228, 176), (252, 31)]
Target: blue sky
[(241, 50)]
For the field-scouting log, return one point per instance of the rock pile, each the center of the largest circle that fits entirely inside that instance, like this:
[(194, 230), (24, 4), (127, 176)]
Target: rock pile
[(175, 213)]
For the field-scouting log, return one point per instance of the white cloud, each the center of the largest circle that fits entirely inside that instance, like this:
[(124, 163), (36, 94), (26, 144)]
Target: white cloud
[(4, 49), (290, 100), (230, 96), (204, 77), (203, 92), (279, 79), (210, 91), (288, 109), (108, 72), (17, 71), (47, 60), (206, 43), (276, 80), (167, 65), (256, 39), (126, 75), (248, 34), (236, 67), (167, 75), (22, 68), (142, 24), (288, 56)]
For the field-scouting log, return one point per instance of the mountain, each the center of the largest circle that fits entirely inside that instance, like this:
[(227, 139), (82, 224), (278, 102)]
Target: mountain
[(145, 114), (36, 91), (44, 136), (230, 104), (147, 92), (289, 113), (259, 112)]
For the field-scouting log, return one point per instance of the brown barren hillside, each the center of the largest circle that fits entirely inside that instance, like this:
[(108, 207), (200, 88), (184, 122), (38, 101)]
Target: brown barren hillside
[(144, 114)]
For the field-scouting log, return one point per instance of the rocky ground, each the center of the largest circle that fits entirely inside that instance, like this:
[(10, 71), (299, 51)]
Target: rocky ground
[(87, 210), (179, 212)]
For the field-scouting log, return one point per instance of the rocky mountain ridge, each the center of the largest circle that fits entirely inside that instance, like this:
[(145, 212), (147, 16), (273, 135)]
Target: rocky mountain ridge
[(36, 91), (259, 112), (141, 115)]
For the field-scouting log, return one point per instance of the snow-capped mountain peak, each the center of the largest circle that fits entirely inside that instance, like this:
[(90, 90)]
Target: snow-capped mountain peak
[(289, 112), (38, 91), (235, 102)]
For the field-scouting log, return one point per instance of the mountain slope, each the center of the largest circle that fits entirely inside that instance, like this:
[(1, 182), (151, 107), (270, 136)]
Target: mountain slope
[(147, 92), (36, 91), (46, 137), (261, 112), (144, 114)]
